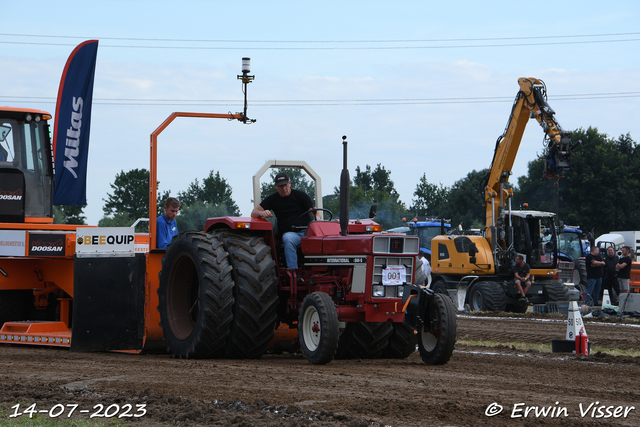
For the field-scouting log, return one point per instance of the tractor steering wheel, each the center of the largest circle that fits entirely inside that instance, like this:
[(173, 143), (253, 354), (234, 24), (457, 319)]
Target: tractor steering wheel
[(309, 212)]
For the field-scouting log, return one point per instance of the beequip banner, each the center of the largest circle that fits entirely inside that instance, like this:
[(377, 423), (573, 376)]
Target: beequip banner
[(72, 123)]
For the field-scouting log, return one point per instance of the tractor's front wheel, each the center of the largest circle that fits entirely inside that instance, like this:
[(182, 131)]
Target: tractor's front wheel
[(437, 333), (195, 296), (318, 328)]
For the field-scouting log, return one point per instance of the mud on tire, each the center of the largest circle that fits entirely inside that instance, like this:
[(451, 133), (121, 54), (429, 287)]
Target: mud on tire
[(195, 296), (255, 293)]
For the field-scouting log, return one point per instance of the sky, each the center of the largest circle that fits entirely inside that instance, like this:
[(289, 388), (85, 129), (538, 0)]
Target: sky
[(418, 87)]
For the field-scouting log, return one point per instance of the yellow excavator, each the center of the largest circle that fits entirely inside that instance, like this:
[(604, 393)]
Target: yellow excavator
[(477, 268)]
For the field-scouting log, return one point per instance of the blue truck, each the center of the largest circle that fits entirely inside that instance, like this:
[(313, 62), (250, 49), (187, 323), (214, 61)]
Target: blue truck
[(573, 247)]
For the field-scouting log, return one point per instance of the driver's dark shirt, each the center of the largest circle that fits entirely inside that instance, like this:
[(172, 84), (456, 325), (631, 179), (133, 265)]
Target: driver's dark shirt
[(288, 209), (522, 271)]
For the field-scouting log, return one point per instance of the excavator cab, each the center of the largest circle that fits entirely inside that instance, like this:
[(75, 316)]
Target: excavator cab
[(534, 237), (26, 171)]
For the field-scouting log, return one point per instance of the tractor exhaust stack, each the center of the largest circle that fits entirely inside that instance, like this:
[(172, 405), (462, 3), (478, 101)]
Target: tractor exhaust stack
[(345, 182)]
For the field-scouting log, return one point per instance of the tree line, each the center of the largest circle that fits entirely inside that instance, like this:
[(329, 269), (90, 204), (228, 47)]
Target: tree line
[(599, 193)]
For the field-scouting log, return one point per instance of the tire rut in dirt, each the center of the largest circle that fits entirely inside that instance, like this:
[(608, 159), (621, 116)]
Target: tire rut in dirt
[(402, 342), (195, 296), (255, 293), (437, 340), (364, 340)]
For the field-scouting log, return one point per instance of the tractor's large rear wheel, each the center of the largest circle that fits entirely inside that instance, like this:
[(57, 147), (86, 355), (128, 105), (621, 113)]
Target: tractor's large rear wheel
[(364, 340), (255, 293), (420, 276), (195, 296), (437, 333), (318, 328), (402, 342)]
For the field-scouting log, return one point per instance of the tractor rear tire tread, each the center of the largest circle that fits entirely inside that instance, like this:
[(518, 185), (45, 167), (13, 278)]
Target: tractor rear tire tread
[(364, 340), (402, 342), (255, 292), (212, 275)]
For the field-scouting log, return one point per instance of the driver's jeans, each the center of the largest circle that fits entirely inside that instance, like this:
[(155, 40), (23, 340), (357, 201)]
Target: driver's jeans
[(291, 241)]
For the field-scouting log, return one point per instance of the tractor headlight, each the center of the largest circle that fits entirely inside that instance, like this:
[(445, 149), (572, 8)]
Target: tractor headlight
[(400, 291), (378, 291)]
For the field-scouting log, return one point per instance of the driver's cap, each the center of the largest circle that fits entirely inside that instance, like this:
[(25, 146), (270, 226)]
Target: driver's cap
[(281, 179)]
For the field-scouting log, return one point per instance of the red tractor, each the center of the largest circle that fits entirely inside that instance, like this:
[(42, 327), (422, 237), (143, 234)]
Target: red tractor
[(223, 292), (218, 292)]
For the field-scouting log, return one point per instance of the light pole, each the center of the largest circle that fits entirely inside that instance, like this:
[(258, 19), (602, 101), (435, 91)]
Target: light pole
[(246, 79)]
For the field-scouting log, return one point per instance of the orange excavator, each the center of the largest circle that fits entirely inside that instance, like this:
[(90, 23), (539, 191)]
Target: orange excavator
[(477, 269)]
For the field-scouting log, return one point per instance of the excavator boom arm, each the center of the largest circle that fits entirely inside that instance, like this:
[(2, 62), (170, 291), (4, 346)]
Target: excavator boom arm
[(530, 102)]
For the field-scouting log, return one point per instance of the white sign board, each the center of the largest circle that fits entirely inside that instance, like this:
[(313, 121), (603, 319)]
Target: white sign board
[(105, 241), (394, 275), (12, 242)]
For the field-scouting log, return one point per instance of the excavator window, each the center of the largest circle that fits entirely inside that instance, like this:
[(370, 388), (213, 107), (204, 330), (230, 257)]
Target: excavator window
[(22, 147), (6, 142), (462, 244), (443, 252), (543, 249), (519, 236)]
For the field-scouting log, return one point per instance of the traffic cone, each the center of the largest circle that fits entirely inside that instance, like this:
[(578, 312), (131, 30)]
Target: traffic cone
[(606, 300), (575, 326)]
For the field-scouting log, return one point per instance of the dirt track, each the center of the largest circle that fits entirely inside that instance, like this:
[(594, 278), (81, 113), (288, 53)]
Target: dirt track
[(286, 390)]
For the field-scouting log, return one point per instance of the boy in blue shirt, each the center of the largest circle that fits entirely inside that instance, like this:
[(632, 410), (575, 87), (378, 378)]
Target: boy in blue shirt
[(166, 226)]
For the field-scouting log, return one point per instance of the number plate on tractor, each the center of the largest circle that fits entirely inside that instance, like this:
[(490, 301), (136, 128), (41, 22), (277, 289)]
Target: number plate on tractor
[(394, 275)]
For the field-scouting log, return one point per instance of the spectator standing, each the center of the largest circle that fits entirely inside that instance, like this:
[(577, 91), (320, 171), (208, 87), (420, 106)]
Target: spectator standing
[(624, 274), (594, 275)]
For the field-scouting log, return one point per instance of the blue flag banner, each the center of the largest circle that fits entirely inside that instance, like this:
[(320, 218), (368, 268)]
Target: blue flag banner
[(72, 124)]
